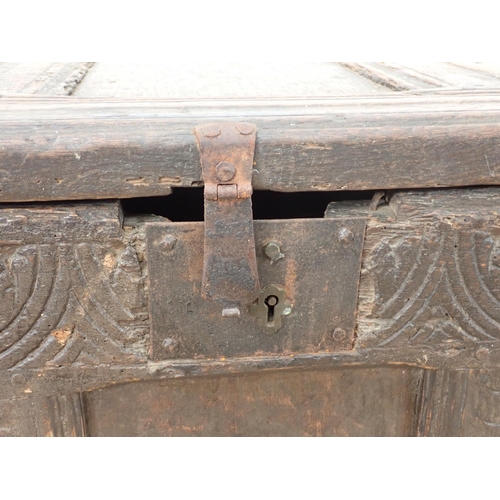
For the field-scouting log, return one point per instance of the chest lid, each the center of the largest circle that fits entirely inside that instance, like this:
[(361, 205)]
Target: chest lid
[(58, 149)]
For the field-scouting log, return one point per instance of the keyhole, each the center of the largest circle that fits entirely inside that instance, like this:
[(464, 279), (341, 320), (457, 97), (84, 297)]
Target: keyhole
[(271, 302)]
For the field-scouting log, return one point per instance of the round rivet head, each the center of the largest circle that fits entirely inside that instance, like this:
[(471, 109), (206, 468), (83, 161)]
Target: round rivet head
[(245, 128), (211, 131), (168, 243), (345, 236), (339, 334), (170, 345), (482, 354), (19, 379), (225, 171)]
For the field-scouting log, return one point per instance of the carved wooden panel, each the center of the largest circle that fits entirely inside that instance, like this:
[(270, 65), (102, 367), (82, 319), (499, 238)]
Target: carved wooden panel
[(70, 301), (74, 319), (431, 271)]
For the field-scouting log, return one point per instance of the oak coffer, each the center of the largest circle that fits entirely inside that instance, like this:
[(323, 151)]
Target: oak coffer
[(311, 258)]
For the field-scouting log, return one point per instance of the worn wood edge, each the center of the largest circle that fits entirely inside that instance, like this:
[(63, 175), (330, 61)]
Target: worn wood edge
[(56, 78), (24, 224), (418, 75), (379, 76), (31, 97), (11, 101), (448, 91), (144, 148), (435, 93), (74, 79), (53, 381)]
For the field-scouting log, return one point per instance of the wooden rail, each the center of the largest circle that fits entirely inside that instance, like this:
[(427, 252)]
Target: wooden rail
[(70, 149)]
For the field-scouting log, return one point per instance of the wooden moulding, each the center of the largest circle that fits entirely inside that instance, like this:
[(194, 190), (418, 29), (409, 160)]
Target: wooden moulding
[(54, 149)]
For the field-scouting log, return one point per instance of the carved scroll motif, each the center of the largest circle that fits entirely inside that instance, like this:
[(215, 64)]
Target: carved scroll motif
[(438, 285), (64, 304)]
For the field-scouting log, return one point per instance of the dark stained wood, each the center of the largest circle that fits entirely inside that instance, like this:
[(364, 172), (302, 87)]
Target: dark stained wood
[(356, 402), (51, 416), (481, 412), (431, 272), (77, 355), (74, 310), (72, 288), (53, 150), (36, 223), (441, 404), (49, 380), (460, 403), (86, 377)]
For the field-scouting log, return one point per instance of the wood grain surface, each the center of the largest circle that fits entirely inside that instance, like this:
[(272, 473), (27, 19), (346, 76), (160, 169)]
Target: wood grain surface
[(240, 80), (91, 149), (58, 79), (431, 272), (413, 76), (223, 80), (75, 340), (355, 402)]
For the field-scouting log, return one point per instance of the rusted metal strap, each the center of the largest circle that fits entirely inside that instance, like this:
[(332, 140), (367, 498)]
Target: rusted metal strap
[(230, 275)]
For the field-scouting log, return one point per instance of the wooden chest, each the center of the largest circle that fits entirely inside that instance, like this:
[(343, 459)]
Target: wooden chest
[(315, 253)]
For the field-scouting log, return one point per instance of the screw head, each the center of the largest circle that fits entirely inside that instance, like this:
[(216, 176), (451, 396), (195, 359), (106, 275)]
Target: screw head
[(245, 128), (345, 236), (168, 243), (225, 171), (339, 334)]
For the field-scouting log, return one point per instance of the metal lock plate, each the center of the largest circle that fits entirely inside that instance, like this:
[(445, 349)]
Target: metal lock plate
[(319, 274), (205, 278)]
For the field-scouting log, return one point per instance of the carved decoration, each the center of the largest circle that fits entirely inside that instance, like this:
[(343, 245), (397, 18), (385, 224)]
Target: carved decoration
[(435, 283), (64, 304)]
